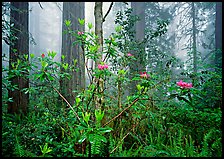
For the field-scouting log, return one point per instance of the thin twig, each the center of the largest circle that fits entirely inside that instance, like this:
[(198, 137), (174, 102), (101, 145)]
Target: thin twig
[(40, 5), (108, 11), (123, 138), (122, 111), (66, 102)]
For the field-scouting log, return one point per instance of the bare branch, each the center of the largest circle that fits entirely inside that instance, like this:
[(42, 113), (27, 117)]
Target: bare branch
[(108, 11), (122, 111), (124, 138), (40, 5), (66, 102)]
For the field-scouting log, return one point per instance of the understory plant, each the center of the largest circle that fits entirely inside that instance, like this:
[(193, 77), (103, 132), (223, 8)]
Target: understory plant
[(128, 122)]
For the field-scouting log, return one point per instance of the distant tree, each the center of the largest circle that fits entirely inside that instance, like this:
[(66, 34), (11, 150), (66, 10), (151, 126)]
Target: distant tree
[(160, 50), (218, 35), (191, 33), (138, 9), (35, 21), (194, 48), (19, 46), (206, 38), (72, 11)]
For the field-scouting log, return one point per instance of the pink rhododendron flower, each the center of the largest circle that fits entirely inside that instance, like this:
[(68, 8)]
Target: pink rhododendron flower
[(102, 67), (144, 75), (42, 55), (105, 66), (129, 54), (184, 84), (80, 32)]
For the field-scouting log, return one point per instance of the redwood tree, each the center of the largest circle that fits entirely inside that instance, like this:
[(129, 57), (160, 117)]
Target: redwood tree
[(19, 17), (139, 52), (72, 11)]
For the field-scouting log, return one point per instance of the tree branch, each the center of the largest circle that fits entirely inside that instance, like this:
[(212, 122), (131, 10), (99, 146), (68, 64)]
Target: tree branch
[(123, 138), (64, 99), (108, 11), (40, 5), (122, 111)]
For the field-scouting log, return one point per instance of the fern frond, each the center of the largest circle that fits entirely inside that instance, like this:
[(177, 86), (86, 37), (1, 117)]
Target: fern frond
[(98, 144), (18, 148)]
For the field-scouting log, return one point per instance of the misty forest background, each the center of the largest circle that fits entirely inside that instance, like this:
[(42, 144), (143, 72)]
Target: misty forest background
[(127, 79)]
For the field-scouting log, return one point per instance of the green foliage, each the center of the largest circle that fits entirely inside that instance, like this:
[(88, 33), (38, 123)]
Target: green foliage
[(158, 119), (81, 21), (45, 150)]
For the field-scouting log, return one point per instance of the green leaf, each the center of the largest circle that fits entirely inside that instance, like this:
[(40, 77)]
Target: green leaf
[(32, 56), (99, 115), (136, 78), (86, 117), (48, 150), (118, 28), (14, 50), (78, 100), (83, 138), (68, 23), (75, 61), (105, 130), (90, 25), (121, 72), (52, 54), (49, 76), (26, 57), (80, 127), (63, 57), (44, 64), (81, 21), (42, 76), (139, 87), (65, 66), (95, 137)]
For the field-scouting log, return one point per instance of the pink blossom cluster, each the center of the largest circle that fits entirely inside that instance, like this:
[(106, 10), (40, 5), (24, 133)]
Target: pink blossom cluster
[(144, 75), (129, 54), (102, 67), (80, 33), (184, 84)]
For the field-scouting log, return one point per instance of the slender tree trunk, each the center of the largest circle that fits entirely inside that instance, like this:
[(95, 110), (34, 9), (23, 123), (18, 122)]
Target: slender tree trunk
[(218, 35), (19, 17), (98, 12), (195, 67), (72, 11)]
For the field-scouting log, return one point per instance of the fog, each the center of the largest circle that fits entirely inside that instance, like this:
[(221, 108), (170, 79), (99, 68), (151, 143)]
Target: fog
[(45, 26)]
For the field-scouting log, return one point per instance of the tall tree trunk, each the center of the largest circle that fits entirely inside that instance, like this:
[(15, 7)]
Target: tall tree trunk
[(98, 12), (218, 35), (139, 28), (19, 17), (72, 11), (194, 42)]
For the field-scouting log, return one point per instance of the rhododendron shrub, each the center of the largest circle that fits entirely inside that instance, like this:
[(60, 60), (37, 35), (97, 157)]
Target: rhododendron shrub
[(144, 75), (102, 67), (184, 84)]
